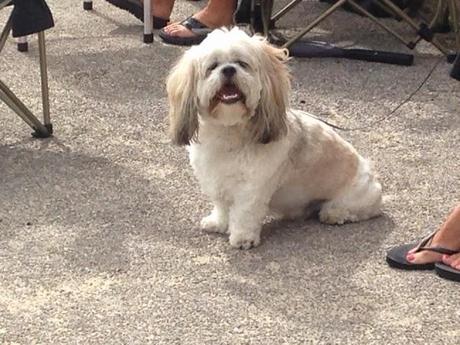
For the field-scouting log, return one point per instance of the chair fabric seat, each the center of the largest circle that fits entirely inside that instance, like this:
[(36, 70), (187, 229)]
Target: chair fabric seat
[(30, 17)]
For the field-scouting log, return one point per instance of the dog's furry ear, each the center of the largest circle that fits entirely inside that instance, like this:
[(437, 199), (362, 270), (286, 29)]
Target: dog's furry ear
[(269, 121), (183, 110)]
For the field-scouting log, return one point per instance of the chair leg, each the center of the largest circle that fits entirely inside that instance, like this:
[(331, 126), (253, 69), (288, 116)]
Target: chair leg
[(371, 17), (10, 99), (44, 82), (455, 71), (453, 9), (318, 20), (266, 16), (23, 45), (88, 5), (423, 31), (5, 32), (148, 22), (284, 10)]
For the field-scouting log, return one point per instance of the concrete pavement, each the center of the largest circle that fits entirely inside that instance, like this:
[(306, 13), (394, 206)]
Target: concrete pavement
[(99, 241)]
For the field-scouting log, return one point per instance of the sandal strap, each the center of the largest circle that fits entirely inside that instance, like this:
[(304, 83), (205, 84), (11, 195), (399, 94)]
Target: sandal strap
[(439, 250), (422, 246), (424, 241), (195, 26)]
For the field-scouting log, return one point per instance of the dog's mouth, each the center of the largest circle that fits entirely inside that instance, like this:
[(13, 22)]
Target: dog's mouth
[(229, 93)]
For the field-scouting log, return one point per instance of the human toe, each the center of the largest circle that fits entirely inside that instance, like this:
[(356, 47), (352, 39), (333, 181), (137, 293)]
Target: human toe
[(423, 257), (452, 260)]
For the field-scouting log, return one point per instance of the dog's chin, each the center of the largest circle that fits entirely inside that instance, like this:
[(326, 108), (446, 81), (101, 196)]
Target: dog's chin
[(228, 106)]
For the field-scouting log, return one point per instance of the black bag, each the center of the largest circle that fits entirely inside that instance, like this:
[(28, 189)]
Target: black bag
[(377, 11)]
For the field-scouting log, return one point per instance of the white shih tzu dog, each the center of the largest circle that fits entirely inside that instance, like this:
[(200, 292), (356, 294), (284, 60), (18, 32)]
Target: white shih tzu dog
[(252, 155)]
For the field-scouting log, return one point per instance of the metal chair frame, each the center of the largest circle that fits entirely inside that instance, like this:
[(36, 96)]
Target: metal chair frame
[(423, 30), (41, 130), (148, 20)]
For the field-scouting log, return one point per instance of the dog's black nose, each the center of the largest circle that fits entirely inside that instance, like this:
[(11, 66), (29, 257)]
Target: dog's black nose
[(229, 71)]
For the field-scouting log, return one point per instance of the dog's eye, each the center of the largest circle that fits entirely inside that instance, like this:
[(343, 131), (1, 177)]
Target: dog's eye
[(242, 64), (212, 67)]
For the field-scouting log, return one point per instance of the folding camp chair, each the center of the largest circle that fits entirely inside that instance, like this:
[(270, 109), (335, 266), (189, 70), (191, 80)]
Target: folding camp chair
[(423, 30), (148, 20), (22, 24)]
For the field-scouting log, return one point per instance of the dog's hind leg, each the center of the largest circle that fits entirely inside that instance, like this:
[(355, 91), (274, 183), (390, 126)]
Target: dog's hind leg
[(359, 201), (291, 203)]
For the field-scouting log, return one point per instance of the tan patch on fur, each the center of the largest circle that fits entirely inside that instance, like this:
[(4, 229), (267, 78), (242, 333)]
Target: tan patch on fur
[(183, 113), (269, 121), (332, 166)]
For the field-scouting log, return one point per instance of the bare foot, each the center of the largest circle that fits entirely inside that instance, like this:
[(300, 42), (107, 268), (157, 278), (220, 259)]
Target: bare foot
[(448, 236), (211, 18), (452, 260)]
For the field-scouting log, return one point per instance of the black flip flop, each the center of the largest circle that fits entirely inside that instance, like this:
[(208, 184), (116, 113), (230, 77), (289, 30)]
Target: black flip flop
[(447, 272), (200, 30), (136, 9), (396, 257)]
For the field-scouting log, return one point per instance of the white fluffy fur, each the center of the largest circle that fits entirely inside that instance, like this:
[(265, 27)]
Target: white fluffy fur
[(256, 156)]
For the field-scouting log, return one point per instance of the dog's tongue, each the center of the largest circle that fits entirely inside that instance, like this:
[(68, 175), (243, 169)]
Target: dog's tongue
[(229, 93)]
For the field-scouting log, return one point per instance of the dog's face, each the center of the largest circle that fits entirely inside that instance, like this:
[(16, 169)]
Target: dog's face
[(229, 79)]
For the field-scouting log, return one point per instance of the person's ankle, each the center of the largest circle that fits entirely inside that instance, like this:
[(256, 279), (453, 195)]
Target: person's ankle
[(160, 14), (161, 10), (446, 240), (212, 20)]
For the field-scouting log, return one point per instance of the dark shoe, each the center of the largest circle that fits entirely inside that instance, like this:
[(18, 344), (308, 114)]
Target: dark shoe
[(455, 71), (396, 257), (200, 30), (447, 272), (136, 8)]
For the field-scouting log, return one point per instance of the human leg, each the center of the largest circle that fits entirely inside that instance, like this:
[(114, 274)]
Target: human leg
[(217, 13)]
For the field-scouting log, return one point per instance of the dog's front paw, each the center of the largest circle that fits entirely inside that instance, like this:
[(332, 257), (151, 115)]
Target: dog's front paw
[(244, 240), (212, 224)]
